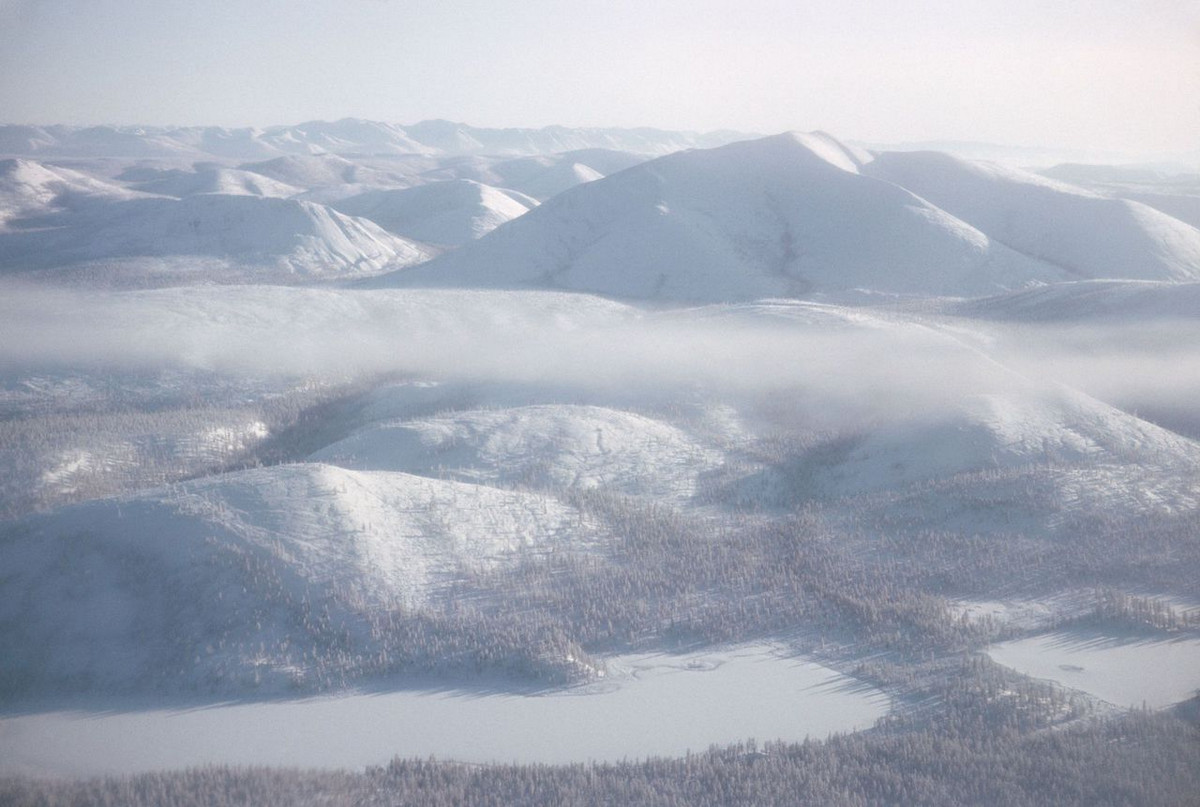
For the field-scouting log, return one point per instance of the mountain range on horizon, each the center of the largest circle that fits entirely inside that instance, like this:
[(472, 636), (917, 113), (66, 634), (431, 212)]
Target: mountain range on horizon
[(363, 137), (789, 215)]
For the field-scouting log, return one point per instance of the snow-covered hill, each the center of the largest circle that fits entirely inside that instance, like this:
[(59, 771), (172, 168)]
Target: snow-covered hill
[(1015, 429), (539, 176), (544, 176), (321, 170), (1113, 300), (782, 216), (28, 188), (1085, 234), (552, 447), (243, 579), (728, 391), (226, 238), (227, 181), (444, 213)]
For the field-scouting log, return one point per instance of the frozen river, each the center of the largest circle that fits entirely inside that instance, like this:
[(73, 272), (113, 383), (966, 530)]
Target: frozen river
[(649, 705)]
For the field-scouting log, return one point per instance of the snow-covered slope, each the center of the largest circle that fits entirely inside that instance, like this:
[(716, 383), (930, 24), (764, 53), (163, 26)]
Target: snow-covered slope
[(544, 176), (1087, 235), (28, 188), (246, 578), (444, 213), (782, 216), (321, 170), (228, 181), (556, 447), (1185, 207), (556, 178), (1013, 429), (250, 238), (539, 176), (1124, 300), (1014, 462)]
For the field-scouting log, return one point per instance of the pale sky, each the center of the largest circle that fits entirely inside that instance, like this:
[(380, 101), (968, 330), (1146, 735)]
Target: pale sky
[(1121, 75)]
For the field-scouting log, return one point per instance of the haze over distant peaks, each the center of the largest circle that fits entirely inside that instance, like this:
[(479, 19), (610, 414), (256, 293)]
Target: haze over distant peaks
[(349, 136)]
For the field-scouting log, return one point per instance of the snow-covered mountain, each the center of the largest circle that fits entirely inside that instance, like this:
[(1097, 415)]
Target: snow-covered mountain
[(1085, 234), (797, 214), (599, 399), (554, 447), (228, 181), (28, 188), (447, 213), (1056, 428), (321, 170), (782, 216), (224, 237), (242, 579), (543, 176), (348, 137), (518, 409)]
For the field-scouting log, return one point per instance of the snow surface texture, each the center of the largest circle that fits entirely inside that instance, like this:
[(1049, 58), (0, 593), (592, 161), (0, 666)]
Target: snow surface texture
[(801, 213)]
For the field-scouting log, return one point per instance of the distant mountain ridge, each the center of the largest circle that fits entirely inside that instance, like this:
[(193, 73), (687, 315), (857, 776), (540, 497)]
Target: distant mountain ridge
[(347, 136), (802, 213)]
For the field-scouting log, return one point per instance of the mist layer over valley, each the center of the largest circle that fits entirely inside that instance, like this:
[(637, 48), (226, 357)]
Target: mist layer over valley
[(352, 408)]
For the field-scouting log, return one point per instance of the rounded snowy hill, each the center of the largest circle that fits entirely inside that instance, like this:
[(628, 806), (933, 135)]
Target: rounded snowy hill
[(444, 213), (227, 181), (257, 578), (1085, 234), (1017, 428), (552, 446), (781, 216), (539, 177), (544, 176), (321, 170), (30, 188), (226, 238)]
